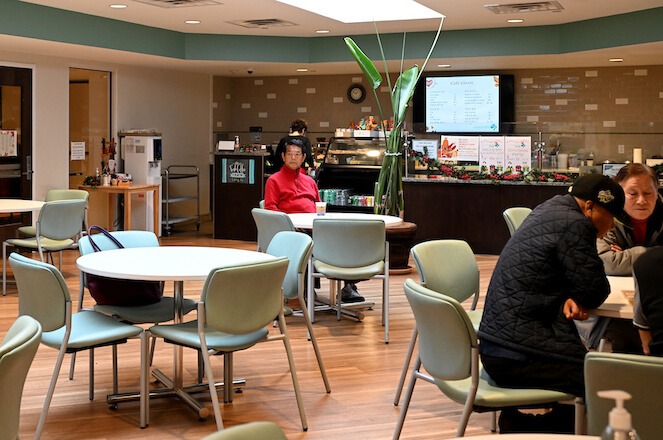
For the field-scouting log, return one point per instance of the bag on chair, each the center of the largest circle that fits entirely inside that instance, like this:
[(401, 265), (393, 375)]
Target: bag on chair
[(118, 292)]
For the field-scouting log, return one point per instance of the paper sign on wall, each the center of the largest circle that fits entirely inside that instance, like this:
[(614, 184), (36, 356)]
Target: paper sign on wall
[(8, 143), (460, 148), (517, 154), (77, 150), (491, 153)]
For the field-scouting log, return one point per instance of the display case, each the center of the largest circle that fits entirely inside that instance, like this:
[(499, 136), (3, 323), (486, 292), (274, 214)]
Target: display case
[(351, 167)]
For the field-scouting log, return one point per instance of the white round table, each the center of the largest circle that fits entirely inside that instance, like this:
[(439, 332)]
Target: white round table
[(167, 263), (305, 220), (533, 437), (19, 205)]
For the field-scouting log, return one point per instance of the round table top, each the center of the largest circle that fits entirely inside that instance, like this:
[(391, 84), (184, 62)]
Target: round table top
[(305, 220), (19, 205), (165, 263)]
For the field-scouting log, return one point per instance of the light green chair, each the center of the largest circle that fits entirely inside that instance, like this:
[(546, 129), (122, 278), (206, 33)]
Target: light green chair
[(250, 431), (640, 376), (297, 247), (162, 311), (349, 250), (515, 217), (236, 306), (60, 223), (53, 195), (448, 350), (269, 223), (448, 267), (17, 351), (43, 295)]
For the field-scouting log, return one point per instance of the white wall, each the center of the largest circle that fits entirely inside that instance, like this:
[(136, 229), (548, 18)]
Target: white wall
[(176, 103)]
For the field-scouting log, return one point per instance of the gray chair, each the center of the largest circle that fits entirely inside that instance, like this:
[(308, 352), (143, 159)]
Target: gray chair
[(269, 223), (236, 306), (640, 376), (448, 267), (349, 250), (60, 223), (297, 247), (17, 351), (448, 350), (52, 195), (162, 311), (43, 295), (250, 431), (514, 217)]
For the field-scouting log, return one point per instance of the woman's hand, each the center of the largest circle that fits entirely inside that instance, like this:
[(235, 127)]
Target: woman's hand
[(573, 311)]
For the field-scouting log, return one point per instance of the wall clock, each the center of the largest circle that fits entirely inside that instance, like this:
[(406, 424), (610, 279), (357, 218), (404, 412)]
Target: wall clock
[(356, 93)]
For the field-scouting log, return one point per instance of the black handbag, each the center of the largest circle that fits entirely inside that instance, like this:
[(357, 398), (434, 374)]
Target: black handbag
[(119, 292)]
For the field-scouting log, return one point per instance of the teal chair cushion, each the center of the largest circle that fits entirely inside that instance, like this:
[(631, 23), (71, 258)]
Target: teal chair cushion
[(187, 334)]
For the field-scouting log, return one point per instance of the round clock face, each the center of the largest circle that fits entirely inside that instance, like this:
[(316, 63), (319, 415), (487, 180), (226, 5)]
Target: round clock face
[(356, 93)]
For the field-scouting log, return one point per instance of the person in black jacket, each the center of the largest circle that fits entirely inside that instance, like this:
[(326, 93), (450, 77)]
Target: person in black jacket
[(648, 307), (298, 130), (548, 274)]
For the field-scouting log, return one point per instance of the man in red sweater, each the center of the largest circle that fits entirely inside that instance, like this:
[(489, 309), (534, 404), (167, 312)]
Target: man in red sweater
[(291, 191)]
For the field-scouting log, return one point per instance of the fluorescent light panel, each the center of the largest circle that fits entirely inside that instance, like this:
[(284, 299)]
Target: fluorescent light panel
[(347, 11)]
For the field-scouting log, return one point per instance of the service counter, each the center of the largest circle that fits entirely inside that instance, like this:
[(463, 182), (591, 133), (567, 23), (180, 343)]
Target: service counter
[(469, 210)]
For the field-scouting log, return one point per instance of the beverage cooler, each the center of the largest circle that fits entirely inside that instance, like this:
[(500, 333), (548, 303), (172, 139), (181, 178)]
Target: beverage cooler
[(142, 159)]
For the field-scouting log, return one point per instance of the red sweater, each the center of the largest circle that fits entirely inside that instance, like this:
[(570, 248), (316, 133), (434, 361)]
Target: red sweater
[(291, 192)]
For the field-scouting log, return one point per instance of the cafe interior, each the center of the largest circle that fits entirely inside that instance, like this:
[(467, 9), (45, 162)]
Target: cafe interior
[(84, 83)]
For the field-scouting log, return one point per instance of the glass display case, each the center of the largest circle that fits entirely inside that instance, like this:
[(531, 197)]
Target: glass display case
[(355, 152)]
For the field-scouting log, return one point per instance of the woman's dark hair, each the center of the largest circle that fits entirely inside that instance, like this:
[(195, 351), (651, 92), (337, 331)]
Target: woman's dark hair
[(298, 125), (636, 169)]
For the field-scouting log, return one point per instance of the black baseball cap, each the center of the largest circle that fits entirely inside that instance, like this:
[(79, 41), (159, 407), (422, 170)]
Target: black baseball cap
[(601, 190)]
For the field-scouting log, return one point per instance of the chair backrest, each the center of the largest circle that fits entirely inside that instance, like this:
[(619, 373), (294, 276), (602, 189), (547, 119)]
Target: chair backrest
[(297, 247), (515, 217), (261, 204), (61, 219), (129, 239), (269, 223), (42, 291), (348, 243), (250, 431), (16, 354), (448, 267), (244, 299), (446, 334), (66, 194), (638, 375)]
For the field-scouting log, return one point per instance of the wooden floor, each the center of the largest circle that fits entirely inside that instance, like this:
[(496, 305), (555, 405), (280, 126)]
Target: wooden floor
[(362, 369)]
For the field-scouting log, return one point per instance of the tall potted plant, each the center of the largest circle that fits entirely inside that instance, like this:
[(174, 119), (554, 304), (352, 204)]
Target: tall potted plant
[(389, 187)]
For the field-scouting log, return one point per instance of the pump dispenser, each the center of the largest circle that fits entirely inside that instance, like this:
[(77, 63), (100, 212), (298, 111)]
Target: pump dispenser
[(619, 420)]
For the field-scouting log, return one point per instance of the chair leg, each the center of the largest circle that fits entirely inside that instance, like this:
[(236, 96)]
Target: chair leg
[(493, 421), (293, 371), (151, 353), (72, 365), (212, 386), (315, 343), (406, 401), (385, 304), (406, 365), (115, 381), (91, 375), (49, 393), (144, 383), (580, 428), (228, 378), (4, 269), (310, 291)]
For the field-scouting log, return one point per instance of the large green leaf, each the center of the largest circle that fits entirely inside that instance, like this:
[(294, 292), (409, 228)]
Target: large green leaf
[(403, 91), (365, 63)]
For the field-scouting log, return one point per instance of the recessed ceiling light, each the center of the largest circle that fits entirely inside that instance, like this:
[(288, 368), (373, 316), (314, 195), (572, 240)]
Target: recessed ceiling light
[(515, 20), (302, 69), (192, 22), (118, 6), (616, 60), (444, 66), (322, 31), (346, 11)]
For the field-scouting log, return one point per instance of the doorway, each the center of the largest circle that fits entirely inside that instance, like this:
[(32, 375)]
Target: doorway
[(15, 143)]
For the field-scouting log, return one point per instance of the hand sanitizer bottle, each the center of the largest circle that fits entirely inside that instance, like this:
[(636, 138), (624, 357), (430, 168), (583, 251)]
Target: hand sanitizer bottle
[(619, 420)]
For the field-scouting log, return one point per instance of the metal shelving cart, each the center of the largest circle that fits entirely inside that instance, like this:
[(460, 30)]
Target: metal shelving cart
[(170, 174)]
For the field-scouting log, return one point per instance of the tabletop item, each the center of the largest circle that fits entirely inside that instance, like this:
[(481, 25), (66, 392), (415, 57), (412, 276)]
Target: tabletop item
[(619, 426), (305, 220)]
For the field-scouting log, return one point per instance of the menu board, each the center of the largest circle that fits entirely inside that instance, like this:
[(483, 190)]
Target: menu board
[(491, 154), (517, 154)]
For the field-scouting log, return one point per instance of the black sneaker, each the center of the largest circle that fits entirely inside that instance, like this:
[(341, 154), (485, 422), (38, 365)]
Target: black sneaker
[(349, 294)]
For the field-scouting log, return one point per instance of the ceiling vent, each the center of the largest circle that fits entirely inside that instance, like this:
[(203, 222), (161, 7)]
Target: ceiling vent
[(262, 23), (519, 8), (179, 3)]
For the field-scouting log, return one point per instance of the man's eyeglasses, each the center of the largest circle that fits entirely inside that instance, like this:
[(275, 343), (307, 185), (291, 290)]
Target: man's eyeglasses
[(293, 154)]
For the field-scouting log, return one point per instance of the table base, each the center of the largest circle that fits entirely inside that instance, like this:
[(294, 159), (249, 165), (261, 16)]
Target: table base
[(184, 393)]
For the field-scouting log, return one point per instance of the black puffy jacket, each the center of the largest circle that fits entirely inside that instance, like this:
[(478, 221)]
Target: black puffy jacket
[(550, 258)]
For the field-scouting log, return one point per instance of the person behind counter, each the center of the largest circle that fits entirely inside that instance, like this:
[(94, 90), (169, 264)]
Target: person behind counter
[(290, 191), (548, 275), (298, 130)]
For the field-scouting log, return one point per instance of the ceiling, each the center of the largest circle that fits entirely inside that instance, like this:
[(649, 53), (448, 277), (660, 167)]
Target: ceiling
[(218, 19)]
